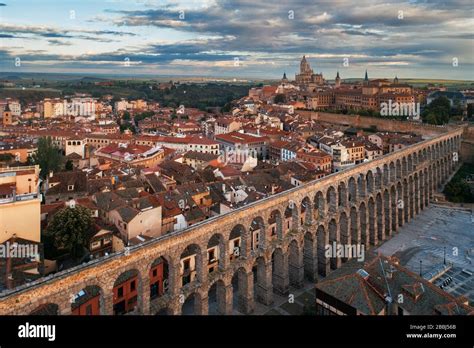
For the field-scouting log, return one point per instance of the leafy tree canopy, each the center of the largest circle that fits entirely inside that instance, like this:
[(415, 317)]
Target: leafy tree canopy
[(48, 156), (69, 229)]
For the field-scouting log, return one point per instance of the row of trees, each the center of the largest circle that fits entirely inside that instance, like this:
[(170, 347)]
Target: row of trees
[(458, 190)]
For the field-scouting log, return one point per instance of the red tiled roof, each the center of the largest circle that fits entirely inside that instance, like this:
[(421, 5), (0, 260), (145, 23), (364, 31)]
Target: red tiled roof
[(239, 138)]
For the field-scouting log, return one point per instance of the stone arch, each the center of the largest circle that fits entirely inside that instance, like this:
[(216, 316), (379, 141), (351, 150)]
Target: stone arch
[(387, 213), (191, 264), (127, 292), (393, 207), (361, 186), (372, 222), (386, 174), (355, 233), (331, 200), (417, 193), (237, 242), (352, 190), (444, 171), (216, 253), (192, 305), (159, 272), (400, 205), (406, 201), (323, 241), (410, 163), (88, 301), (411, 197), (404, 167), (393, 173), (275, 225), (310, 257), (242, 291), (380, 218), (363, 224), (216, 297), (378, 178), (370, 182), (426, 189), (320, 205), (306, 212), (257, 233), (344, 232), (290, 218), (280, 279), (263, 288), (295, 265), (334, 241), (342, 194), (399, 169)]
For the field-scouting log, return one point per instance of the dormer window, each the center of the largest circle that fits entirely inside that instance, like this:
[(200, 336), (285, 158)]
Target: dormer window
[(70, 187)]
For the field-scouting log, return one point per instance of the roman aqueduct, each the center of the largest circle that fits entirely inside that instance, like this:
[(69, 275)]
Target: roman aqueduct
[(365, 204)]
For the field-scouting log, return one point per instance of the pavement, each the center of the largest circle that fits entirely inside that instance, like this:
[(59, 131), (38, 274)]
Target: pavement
[(435, 234)]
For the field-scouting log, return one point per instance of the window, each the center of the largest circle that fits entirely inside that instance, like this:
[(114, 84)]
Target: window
[(132, 285), (70, 187), (120, 292), (211, 255), (95, 244), (155, 272), (186, 264)]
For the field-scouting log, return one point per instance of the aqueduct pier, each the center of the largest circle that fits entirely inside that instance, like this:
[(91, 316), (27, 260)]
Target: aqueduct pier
[(264, 247)]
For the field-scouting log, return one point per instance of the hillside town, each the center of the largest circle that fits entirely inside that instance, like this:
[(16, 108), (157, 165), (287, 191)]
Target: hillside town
[(144, 171)]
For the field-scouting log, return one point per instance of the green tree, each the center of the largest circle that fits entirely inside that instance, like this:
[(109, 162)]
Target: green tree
[(69, 230), (126, 116), (48, 156), (437, 112), (68, 166), (6, 157), (280, 99)]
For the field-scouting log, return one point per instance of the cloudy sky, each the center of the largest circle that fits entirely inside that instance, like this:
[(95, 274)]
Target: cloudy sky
[(239, 38)]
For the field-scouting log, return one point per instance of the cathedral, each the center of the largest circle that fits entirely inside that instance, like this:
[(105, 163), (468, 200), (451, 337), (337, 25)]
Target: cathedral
[(307, 76)]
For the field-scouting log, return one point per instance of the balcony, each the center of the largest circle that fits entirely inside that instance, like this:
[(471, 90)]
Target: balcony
[(20, 198)]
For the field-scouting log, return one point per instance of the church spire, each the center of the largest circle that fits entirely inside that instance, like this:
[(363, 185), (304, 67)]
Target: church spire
[(366, 76)]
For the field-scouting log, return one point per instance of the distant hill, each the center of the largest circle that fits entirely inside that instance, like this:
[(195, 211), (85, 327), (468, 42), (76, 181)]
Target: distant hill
[(11, 77)]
